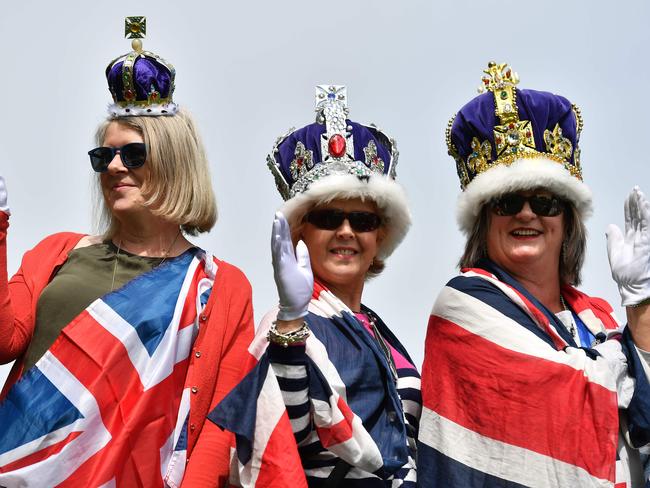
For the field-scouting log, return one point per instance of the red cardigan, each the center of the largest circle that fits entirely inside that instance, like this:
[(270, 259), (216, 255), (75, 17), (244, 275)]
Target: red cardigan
[(218, 355)]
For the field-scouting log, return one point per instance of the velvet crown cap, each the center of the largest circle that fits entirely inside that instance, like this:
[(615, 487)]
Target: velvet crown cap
[(507, 139), (338, 158), (140, 82)]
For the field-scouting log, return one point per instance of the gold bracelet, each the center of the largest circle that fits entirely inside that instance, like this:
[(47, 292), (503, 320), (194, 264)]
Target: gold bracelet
[(298, 336)]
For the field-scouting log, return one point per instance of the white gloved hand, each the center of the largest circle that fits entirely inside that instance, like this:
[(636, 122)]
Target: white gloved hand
[(629, 254), (3, 197), (292, 272)]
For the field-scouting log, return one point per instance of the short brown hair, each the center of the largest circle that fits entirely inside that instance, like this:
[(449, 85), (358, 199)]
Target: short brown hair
[(178, 186), (573, 246)]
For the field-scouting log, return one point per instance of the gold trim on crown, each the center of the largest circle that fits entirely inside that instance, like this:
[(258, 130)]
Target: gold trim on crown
[(513, 138)]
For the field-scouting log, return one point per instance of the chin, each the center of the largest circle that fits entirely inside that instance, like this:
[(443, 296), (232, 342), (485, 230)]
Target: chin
[(344, 277)]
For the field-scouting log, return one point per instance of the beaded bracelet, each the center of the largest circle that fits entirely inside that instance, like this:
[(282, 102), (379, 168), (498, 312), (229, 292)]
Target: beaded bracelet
[(298, 336)]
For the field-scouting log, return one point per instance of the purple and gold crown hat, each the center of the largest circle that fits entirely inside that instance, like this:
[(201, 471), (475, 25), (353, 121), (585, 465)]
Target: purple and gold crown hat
[(141, 82), (337, 158), (508, 139)]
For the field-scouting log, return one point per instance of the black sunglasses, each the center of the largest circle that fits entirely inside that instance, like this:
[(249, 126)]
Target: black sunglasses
[(331, 218), (133, 155), (512, 203)]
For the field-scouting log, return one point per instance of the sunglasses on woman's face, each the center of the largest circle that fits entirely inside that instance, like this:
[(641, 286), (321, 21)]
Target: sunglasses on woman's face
[(512, 203), (133, 155), (331, 219)]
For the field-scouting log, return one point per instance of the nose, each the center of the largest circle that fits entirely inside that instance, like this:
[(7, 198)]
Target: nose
[(345, 230), (526, 213), (116, 165)]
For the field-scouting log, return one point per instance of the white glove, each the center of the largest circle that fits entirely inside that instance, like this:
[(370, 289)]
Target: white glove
[(3, 197), (292, 273), (629, 255)]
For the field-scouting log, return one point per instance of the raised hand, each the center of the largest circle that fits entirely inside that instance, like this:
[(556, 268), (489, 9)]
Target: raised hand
[(292, 272), (3, 197), (629, 254)]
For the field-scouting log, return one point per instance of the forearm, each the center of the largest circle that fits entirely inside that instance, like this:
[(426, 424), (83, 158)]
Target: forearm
[(290, 369), (638, 320), (16, 322)]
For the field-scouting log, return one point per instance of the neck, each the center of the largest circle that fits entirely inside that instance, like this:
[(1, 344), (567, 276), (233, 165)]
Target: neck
[(348, 294), (155, 238), (545, 286)]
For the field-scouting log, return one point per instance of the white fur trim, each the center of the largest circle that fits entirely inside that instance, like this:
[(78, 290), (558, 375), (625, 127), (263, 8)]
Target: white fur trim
[(523, 174), (388, 195), (117, 110)]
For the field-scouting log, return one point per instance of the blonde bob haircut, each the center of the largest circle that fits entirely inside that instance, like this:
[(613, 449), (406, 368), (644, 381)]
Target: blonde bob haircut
[(178, 186)]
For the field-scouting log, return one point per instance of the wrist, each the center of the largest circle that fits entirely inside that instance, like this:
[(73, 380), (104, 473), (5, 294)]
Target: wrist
[(289, 338), (288, 326), (638, 320), (292, 314)]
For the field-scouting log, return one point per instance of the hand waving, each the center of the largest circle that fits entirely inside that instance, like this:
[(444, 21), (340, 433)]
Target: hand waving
[(629, 254), (292, 272)]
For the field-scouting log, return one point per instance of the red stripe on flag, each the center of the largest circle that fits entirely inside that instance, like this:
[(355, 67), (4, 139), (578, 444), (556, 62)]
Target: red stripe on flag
[(521, 400), (139, 421), (188, 315), (40, 455), (340, 432), (281, 466)]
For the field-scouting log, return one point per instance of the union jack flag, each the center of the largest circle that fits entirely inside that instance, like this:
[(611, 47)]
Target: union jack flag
[(107, 405), (267, 453), (511, 400)]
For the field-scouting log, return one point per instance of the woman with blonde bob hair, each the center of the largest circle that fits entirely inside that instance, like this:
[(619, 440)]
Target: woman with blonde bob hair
[(120, 343), (177, 185)]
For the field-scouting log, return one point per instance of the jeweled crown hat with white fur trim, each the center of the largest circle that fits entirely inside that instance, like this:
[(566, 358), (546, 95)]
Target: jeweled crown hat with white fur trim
[(336, 158), (508, 139), (141, 82)]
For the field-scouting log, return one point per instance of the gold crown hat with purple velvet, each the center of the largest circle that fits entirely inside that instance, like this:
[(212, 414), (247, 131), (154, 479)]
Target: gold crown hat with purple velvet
[(141, 82), (337, 158), (507, 139)]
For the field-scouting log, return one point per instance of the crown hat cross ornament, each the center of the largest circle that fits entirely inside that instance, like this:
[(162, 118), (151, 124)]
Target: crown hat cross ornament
[(513, 135), (150, 91), (337, 144)]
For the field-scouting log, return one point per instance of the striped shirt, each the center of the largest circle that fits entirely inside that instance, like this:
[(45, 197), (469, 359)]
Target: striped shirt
[(362, 388)]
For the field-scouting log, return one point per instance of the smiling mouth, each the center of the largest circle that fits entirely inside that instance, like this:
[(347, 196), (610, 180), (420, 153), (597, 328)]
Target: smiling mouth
[(525, 233), (344, 252)]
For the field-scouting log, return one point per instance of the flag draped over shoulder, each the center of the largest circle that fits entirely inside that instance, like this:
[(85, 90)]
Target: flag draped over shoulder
[(509, 398), (107, 404), (266, 453)]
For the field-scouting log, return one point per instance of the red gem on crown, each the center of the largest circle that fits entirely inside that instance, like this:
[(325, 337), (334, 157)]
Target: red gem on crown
[(336, 145)]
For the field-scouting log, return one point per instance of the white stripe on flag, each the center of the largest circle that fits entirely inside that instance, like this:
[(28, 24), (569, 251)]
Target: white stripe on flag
[(485, 321), (56, 468), (499, 459)]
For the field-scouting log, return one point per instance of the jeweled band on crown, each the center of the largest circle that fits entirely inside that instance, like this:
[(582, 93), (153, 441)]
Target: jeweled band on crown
[(332, 145), (513, 136), (140, 82)]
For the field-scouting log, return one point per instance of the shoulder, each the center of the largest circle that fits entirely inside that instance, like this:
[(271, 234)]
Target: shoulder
[(87, 240), (475, 280), (471, 287), (233, 275), (61, 241)]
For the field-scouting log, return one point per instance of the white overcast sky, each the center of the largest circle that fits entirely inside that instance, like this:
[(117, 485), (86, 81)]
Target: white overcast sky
[(247, 70)]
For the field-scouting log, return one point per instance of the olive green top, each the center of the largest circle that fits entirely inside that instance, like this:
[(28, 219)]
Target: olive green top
[(86, 275)]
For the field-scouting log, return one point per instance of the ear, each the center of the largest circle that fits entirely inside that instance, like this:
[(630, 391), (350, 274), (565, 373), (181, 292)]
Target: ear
[(381, 235)]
